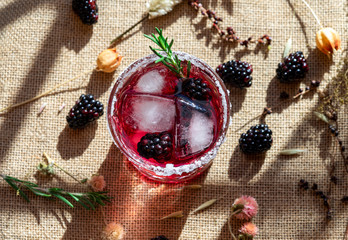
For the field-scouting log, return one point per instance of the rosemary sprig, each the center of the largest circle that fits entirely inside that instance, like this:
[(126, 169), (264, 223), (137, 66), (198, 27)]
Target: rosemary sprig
[(171, 61), (87, 200)]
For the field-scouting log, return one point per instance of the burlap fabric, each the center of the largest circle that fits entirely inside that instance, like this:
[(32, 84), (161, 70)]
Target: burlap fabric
[(43, 43)]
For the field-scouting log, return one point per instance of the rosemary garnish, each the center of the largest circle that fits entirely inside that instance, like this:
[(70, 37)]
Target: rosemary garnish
[(87, 200), (171, 61)]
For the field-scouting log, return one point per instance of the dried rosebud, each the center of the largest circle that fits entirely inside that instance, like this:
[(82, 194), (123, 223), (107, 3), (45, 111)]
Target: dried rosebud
[(109, 60), (328, 41)]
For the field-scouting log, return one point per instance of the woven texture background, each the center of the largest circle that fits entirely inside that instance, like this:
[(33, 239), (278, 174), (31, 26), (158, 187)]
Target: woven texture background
[(43, 43)]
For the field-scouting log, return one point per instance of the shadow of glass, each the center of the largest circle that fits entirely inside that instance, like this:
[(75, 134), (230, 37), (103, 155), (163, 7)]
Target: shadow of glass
[(137, 203)]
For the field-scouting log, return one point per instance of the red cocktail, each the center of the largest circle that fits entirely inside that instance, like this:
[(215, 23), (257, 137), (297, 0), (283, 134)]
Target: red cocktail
[(169, 127)]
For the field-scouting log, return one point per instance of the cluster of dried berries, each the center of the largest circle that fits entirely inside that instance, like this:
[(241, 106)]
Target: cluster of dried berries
[(230, 34), (334, 131), (305, 185)]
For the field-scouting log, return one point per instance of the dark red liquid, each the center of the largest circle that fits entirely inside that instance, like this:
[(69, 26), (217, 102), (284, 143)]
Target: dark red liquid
[(151, 101)]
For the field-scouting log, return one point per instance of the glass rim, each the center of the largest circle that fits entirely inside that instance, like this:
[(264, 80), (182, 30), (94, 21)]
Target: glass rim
[(169, 168)]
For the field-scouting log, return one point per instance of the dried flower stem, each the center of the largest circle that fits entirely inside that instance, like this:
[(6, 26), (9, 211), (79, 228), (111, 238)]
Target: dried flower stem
[(313, 13), (302, 93), (230, 227), (231, 33), (44, 93), (129, 29), (66, 172), (345, 237)]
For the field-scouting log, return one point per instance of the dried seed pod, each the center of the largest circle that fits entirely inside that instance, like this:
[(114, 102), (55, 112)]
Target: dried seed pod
[(109, 60), (328, 41)]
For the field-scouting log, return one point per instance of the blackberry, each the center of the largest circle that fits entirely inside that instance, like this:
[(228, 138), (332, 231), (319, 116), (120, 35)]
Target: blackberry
[(257, 139), (160, 238), (85, 110), (293, 68), (87, 10), (196, 88), (237, 73), (155, 145)]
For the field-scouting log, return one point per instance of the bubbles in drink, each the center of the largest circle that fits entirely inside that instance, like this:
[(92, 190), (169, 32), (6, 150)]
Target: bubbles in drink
[(151, 82)]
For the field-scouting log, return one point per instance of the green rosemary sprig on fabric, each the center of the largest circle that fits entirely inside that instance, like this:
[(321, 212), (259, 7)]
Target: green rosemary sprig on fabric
[(87, 200), (171, 61)]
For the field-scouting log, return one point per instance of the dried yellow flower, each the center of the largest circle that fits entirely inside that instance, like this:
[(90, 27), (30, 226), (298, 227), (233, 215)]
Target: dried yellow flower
[(113, 231), (328, 41), (109, 60)]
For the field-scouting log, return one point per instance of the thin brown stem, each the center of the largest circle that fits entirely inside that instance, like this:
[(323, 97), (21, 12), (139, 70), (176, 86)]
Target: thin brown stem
[(66, 172), (49, 160), (230, 228), (313, 13), (129, 29), (345, 237), (44, 93), (104, 218)]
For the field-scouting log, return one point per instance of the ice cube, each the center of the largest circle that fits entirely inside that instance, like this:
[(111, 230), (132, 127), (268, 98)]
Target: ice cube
[(194, 128), (150, 113), (151, 82), (200, 131)]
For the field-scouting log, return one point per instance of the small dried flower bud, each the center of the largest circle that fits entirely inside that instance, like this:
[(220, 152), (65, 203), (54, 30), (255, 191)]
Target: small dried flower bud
[(113, 231), (249, 229), (109, 60), (97, 183), (328, 41)]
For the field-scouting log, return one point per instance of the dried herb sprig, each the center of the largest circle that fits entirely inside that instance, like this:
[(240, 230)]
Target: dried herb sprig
[(230, 34), (88, 200), (171, 61)]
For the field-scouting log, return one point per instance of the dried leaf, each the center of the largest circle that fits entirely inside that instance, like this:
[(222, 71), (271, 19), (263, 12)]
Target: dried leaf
[(178, 214), (321, 117), (205, 205), (193, 186), (292, 151), (287, 48)]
